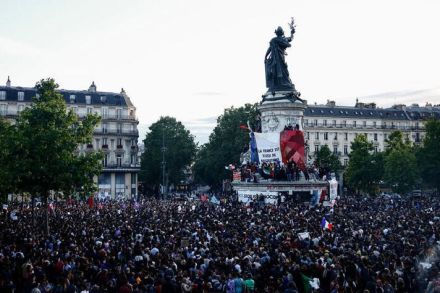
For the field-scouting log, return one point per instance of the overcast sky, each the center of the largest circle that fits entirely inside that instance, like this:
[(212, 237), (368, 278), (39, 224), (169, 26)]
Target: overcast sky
[(191, 59)]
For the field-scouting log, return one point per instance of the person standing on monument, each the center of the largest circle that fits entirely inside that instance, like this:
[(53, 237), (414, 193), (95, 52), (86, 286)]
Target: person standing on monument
[(277, 74)]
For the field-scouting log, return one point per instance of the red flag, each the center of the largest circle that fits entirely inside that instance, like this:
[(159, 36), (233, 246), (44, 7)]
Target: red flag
[(292, 147), (91, 202), (243, 126)]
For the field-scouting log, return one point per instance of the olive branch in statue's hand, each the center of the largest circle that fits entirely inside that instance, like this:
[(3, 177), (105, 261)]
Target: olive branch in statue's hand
[(292, 26)]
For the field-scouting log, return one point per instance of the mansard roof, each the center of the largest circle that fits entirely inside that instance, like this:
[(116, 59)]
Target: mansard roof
[(111, 99), (402, 113)]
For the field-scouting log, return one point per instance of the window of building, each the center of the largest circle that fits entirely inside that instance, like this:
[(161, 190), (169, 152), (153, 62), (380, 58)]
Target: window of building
[(133, 142), (417, 137), (325, 135), (384, 124), (307, 135), (375, 149), (345, 162), (21, 96), (88, 100), (306, 122), (392, 125), (375, 137), (315, 122), (317, 135), (374, 124), (325, 122), (385, 136), (104, 141), (103, 99), (354, 123), (345, 149), (20, 108), (417, 123), (119, 160), (119, 128), (104, 127), (346, 136), (344, 123), (316, 148), (118, 113), (366, 135), (89, 110), (334, 123), (364, 123), (120, 184), (105, 160), (104, 112), (3, 109), (133, 159), (335, 149), (72, 99), (336, 136), (2, 95), (119, 141)]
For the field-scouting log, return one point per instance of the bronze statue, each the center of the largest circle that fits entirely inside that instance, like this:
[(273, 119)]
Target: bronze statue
[(277, 74)]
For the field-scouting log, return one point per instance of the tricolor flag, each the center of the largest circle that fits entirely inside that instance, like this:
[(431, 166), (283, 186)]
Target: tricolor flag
[(326, 225)]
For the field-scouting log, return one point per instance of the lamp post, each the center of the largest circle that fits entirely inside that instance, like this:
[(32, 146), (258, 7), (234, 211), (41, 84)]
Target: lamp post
[(163, 164)]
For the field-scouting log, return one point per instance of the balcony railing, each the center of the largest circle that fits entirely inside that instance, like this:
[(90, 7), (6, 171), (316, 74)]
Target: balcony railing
[(121, 166), (111, 116), (116, 132), (357, 126)]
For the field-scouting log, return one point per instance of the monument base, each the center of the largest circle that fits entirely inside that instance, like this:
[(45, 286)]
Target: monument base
[(301, 190), (281, 109)]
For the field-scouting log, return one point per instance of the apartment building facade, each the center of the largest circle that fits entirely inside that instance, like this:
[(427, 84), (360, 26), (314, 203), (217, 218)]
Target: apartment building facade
[(117, 134), (337, 126)]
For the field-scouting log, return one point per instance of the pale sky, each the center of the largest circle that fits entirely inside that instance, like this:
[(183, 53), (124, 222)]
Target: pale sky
[(191, 59)]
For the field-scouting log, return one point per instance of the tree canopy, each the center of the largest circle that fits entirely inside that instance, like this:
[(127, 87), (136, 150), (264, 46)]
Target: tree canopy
[(226, 142), (49, 137), (327, 161), (180, 150), (400, 169), (365, 168), (429, 154)]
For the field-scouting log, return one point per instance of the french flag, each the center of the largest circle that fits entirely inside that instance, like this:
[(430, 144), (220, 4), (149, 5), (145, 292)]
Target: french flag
[(326, 225)]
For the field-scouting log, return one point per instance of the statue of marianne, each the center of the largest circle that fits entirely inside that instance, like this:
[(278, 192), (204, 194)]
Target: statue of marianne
[(277, 74)]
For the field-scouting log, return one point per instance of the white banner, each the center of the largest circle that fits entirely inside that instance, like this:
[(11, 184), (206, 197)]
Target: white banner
[(247, 196), (268, 146), (333, 189)]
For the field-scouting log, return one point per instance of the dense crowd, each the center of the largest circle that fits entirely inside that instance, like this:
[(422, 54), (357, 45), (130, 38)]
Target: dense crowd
[(376, 245), (252, 172)]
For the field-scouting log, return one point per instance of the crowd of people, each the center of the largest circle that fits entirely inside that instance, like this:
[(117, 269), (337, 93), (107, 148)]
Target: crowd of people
[(251, 172), (375, 245)]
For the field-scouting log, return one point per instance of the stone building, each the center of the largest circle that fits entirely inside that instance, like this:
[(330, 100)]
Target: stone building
[(337, 126), (116, 135)]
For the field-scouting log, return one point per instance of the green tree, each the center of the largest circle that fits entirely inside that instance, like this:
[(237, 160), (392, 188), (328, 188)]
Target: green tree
[(327, 161), (179, 153), (400, 171), (365, 169), (49, 136), (8, 150), (225, 145), (429, 154)]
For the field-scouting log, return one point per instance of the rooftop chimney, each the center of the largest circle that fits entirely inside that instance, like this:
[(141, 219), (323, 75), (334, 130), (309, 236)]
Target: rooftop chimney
[(8, 82), (92, 87), (331, 103)]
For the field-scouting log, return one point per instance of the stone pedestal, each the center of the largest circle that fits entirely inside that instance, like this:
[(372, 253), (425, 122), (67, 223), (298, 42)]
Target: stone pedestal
[(279, 110)]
